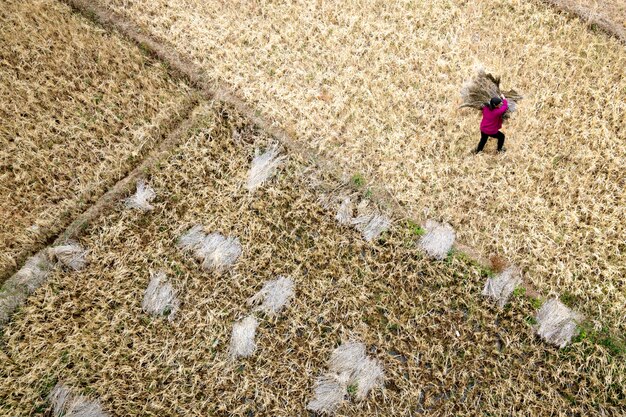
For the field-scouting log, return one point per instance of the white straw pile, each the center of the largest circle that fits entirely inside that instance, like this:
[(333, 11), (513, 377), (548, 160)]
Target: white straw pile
[(556, 323), (22, 283), (438, 239), (159, 298), (502, 285), (242, 342), (67, 404), (348, 366), (274, 295), (344, 212), (263, 167), (71, 255), (142, 197), (215, 251)]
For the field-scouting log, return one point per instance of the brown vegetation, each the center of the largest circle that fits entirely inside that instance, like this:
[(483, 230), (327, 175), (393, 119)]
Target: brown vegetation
[(374, 87), (444, 349), (79, 107)]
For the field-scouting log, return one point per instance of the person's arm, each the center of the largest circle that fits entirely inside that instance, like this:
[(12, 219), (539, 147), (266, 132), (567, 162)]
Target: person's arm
[(504, 107)]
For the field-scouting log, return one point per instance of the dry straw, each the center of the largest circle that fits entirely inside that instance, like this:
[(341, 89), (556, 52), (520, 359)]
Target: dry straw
[(66, 403), (263, 167), (142, 198), (348, 366), (438, 239), (242, 342), (556, 323), (24, 282), (500, 287), (369, 221), (160, 298), (345, 212), (215, 251), (477, 92), (274, 295), (71, 255)]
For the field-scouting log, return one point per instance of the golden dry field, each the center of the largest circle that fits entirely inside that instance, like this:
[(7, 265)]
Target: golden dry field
[(374, 86), (79, 107), (445, 350)]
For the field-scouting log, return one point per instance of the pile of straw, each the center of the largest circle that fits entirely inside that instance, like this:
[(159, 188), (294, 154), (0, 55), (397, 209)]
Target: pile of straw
[(263, 167), (215, 251), (274, 295), (242, 342), (348, 366), (142, 198), (500, 287), (477, 92), (556, 323), (71, 255), (65, 403), (160, 297), (438, 239)]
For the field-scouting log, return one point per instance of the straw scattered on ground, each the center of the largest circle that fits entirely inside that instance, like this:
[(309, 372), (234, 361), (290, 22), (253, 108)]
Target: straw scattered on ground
[(375, 88), (445, 350), (78, 108)]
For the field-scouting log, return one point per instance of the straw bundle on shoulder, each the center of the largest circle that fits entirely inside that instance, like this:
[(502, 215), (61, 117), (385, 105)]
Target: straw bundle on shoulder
[(477, 92)]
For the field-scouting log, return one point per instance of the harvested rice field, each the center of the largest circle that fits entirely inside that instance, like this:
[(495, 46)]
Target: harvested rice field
[(79, 107), (443, 348), (374, 86)]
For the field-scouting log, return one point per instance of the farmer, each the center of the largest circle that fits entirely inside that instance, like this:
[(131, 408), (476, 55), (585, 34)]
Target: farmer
[(492, 122)]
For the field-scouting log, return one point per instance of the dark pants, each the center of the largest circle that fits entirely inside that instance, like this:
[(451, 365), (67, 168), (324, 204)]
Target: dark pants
[(484, 137)]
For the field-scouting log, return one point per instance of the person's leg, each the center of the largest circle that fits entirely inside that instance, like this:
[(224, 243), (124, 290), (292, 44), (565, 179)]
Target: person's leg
[(500, 137), (482, 143)]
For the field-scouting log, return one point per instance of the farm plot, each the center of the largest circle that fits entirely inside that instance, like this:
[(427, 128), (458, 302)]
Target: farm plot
[(444, 350), (374, 85), (78, 108)]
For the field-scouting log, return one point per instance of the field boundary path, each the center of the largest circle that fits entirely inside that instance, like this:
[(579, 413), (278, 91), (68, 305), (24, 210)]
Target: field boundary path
[(593, 18)]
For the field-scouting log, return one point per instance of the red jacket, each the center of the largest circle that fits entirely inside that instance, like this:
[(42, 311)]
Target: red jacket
[(492, 119)]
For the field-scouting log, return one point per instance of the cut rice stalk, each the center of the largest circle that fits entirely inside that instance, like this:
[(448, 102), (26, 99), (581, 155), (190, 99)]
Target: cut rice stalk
[(17, 288), (142, 197), (556, 323), (328, 395), (160, 297), (263, 167), (274, 295), (67, 404), (502, 285), (193, 239), (371, 225), (219, 252), (438, 240), (215, 251), (344, 212), (242, 342), (71, 255)]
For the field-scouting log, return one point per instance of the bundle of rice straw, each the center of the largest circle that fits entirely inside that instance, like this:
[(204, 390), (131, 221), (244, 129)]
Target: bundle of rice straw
[(556, 323), (215, 251), (477, 92), (274, 295), (66, 403), (348, 366), (159, 299), (71, 255), (242, 342), (500, 287), (142, 197), (438, 240), (263, 166)]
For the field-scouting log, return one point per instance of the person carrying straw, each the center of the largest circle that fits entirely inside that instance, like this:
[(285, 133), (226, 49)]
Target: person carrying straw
[(491, 123)]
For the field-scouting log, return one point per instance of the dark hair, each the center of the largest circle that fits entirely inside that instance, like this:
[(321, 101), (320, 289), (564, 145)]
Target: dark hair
[(494, 102)]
